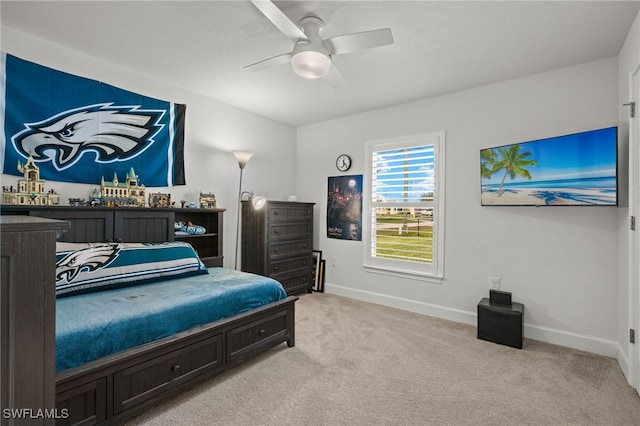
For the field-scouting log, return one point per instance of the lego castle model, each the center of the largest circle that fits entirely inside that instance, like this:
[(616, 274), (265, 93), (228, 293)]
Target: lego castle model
[(115, 193), (30, 189)]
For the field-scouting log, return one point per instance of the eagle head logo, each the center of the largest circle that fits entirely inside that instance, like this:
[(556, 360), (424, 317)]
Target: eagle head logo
[(84, 260), (110, 132)]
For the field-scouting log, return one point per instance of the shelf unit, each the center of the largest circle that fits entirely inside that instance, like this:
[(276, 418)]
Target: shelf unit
[(101, 224), (209, 244)]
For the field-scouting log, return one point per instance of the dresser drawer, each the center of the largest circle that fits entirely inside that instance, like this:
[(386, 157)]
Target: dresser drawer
[(290, 264), (288, 249), (295, 281), (243, 340), (289, 213), (145, 380), (282, 231)]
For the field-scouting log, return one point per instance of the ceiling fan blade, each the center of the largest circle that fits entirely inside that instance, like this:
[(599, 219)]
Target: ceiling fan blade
[(276, 60), (280, 20), (335, 79), (359, 41)]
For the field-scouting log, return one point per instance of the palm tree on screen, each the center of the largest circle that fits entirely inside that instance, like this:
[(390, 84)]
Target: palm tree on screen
[(487, 163), (513, 162)]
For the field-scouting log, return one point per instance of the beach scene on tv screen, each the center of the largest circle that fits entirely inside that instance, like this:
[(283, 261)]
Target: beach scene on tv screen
[(575, 169)]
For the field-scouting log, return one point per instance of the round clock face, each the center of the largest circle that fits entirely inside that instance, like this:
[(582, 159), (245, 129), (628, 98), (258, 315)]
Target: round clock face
[(343, 162)]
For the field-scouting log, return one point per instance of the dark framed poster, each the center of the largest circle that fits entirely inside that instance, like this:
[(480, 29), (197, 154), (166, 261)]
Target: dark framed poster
[(316, 275), (344, 208)]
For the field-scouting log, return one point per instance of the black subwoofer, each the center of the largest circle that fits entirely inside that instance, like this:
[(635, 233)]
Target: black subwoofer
[(501, 323)]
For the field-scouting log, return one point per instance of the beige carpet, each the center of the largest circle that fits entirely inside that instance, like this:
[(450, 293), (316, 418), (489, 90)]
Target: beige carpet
[(357, 363)]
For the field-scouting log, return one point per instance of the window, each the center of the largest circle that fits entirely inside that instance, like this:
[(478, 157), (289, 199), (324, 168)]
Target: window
[(404, 204)]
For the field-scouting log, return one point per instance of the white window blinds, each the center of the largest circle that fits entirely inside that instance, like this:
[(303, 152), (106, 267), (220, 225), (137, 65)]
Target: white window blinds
[(405, 222)]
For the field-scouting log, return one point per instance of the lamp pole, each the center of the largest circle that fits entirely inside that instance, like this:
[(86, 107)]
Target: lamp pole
[(238, 219), (243, 158)]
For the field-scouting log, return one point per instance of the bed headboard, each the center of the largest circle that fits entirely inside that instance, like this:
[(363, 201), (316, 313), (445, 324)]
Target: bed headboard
[(135, 225)]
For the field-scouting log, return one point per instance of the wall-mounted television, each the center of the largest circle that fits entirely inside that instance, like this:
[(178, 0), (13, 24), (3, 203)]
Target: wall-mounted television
[(578, 169)]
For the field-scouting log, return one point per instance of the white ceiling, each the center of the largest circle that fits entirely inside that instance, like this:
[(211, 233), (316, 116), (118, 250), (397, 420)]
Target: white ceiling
[(440, 47)]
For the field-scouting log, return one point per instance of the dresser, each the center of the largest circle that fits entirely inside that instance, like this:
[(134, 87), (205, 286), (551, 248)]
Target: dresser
[(277, 242)]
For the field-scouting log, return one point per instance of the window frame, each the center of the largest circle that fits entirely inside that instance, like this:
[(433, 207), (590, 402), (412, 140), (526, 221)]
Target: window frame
[(433, 272)]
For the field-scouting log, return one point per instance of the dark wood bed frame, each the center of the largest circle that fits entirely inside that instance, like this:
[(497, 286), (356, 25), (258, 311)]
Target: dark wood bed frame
[(117, 387)]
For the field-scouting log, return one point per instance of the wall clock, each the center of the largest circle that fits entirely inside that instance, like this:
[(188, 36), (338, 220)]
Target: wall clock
[(343, 162)]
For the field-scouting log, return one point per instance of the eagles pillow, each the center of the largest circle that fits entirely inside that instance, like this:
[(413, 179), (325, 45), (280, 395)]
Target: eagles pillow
[(89, 267)]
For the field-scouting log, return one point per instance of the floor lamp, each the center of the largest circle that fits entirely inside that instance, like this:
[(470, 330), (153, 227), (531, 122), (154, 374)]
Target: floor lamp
[(243, 158)]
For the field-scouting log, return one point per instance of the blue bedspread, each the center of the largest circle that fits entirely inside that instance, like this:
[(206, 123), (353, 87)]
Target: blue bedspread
[(90, 326)]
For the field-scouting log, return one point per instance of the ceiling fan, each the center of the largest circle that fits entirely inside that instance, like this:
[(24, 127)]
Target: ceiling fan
[(311, 56)]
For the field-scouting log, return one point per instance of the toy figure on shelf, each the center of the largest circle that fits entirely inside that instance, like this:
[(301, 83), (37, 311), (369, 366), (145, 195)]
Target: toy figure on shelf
[(207, 201), (188, 228), (77, 202), (157, 199), (120, 194), (30, 189)]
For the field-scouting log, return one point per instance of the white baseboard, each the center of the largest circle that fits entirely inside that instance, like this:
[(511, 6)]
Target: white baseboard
[(571, 340), (544, 334), (404, 304), (623, 362)]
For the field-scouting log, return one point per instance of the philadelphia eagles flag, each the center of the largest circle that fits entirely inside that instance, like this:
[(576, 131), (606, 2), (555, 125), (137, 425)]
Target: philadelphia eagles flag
[(81, 130)]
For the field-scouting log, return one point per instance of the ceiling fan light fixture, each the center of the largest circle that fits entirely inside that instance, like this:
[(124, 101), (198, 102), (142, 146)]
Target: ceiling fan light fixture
[(310, 64)]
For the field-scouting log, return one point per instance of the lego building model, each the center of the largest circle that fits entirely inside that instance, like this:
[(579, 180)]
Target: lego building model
[(121, 194), (30, 189), (207, 200)]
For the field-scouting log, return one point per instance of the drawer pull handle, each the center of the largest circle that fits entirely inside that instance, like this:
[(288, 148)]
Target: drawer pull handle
[(275, 268), (275, 250), (275, 231), (261, 332), (175, 367)]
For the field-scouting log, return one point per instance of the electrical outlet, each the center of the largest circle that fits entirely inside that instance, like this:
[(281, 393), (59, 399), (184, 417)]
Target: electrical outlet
[(495, 282)]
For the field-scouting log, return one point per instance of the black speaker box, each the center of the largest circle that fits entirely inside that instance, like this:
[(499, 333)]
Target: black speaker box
[(500, 323), (501, 297)]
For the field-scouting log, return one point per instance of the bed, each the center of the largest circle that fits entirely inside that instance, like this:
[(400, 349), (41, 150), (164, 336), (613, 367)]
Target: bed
[(138, 323)]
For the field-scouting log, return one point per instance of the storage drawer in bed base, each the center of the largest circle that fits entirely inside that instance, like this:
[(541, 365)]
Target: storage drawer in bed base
[(143, 381), (117, 387), (242, 341), (84, 405)]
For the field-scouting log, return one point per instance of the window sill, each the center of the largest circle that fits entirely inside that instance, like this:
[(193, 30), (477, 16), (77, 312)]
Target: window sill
[(403, 273)]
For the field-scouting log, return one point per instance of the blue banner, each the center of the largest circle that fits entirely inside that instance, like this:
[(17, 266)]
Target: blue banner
[(81, 130)]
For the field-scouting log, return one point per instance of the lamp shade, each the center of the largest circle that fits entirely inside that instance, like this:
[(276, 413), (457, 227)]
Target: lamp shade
[(242, 157), (310, 64), (258, 202)]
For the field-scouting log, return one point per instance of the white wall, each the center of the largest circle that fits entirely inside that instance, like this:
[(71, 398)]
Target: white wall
[(212, 131), (561, 262)]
